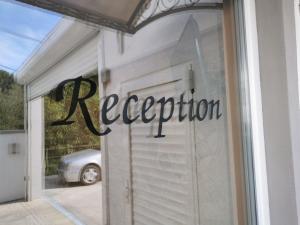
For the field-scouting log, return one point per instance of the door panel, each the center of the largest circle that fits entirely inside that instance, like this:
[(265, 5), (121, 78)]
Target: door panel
[(162, 186)]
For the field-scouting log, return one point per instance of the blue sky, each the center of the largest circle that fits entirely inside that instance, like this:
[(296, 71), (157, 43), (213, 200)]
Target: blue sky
[(17, 21)]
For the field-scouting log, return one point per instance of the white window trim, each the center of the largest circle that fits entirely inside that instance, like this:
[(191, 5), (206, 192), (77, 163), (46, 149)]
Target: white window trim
[(297, 24), (259, 154)]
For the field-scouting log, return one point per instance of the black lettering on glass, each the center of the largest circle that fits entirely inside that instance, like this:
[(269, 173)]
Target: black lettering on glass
[(163, 119), (202, 107), (146, 108), (212, 104), (126, 118), (78, 100), (203, 110), (181, 104), (191, 111), (106, 108)]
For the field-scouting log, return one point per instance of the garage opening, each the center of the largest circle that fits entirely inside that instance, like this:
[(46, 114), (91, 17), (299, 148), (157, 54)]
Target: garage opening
[(72, 156)]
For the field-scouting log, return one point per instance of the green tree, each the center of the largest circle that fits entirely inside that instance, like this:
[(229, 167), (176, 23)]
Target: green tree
[(11, 103)]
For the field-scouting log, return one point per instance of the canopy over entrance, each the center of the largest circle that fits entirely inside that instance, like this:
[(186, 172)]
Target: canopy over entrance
[(126, 15)]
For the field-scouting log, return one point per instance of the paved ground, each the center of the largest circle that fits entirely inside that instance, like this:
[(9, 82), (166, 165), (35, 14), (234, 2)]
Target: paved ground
[(39, 212), (62, 205), (83, 202)]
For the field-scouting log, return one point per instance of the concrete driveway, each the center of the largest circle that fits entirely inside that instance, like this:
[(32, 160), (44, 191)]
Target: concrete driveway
[(84, 203), (38, 212)]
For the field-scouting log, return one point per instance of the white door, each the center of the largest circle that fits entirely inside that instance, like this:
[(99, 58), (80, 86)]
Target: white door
[(162, 187)]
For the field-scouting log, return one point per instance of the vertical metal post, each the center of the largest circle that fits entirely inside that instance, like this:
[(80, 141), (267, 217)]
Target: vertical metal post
[(245, 110)]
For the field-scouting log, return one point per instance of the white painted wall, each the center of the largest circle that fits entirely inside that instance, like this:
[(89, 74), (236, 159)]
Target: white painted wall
[(35, 148), (278, 70), (12, 167), (292, 56), (297, 27)]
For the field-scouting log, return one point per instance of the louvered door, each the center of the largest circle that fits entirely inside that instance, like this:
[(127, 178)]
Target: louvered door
[(161, 168)]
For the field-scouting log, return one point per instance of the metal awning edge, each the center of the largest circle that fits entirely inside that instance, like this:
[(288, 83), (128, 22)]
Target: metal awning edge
[(110, 22)]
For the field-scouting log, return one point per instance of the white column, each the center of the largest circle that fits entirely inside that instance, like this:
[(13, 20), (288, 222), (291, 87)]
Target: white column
[(36, 147)]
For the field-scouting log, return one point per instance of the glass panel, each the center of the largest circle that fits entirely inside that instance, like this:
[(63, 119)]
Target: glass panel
[(180, 161), (202, 44), (72, 154)]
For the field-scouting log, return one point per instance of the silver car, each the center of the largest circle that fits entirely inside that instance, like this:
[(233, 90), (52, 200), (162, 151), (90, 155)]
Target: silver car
[(83, 166)]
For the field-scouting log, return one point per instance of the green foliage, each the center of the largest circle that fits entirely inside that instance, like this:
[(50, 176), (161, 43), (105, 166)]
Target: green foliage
[(61, 140), (11, 103)]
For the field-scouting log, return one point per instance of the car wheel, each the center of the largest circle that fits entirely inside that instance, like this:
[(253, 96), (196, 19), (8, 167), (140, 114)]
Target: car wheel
[(90, 175)]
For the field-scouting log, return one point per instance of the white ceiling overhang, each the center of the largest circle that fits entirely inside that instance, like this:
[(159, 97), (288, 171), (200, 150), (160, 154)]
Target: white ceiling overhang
[(126, 15), (67, 36)]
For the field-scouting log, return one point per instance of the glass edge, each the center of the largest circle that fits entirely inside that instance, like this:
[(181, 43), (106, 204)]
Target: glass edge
[(245, 106)]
